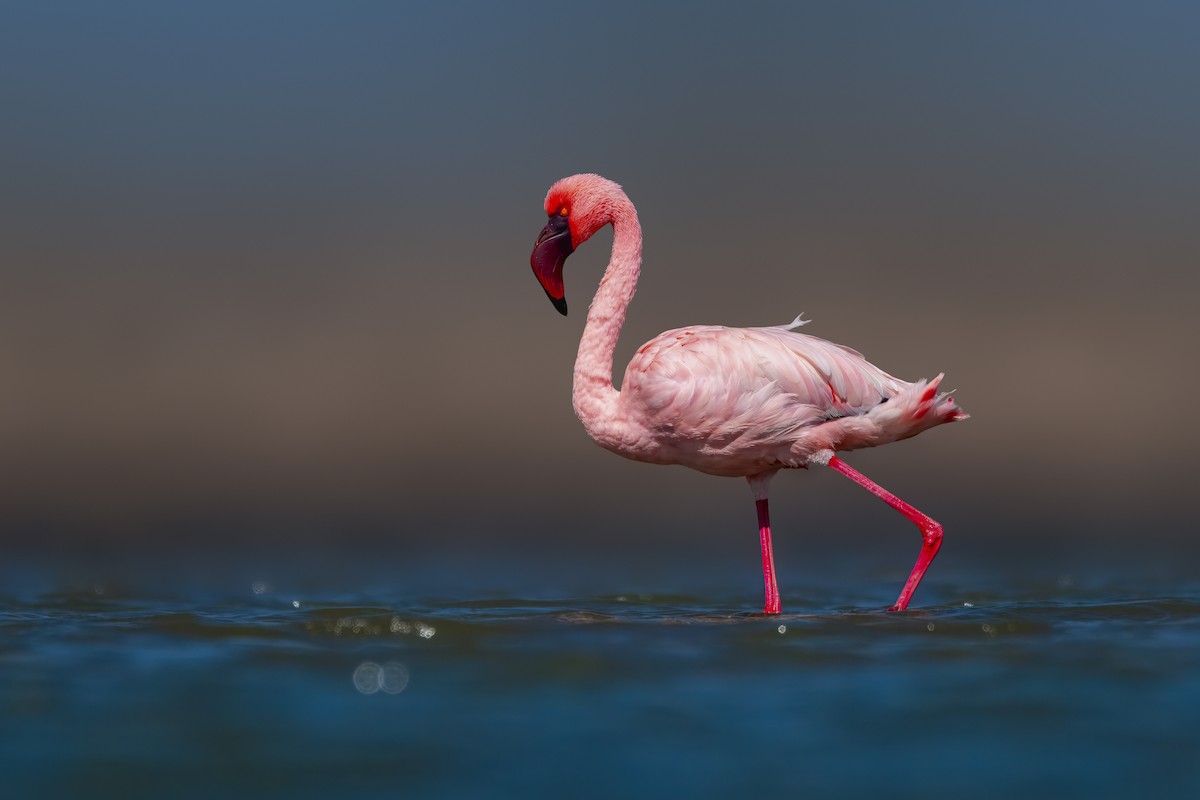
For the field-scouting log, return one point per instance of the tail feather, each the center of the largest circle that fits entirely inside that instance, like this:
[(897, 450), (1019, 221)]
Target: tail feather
[(918, 407)]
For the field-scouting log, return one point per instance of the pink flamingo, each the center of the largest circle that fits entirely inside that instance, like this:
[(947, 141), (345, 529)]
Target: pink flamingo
[(742, 402)]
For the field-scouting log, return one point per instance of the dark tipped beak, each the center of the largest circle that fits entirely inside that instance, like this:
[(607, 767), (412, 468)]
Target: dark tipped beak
[(551, 249)]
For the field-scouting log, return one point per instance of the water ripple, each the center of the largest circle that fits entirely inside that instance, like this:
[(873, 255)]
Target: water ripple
[(306, 689)]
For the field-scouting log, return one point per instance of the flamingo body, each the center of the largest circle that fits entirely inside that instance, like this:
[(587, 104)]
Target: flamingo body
[(735, 402), (743, 401)]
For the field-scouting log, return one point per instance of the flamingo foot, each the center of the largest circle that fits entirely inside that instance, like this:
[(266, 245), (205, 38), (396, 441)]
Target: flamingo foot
[(931, 530)]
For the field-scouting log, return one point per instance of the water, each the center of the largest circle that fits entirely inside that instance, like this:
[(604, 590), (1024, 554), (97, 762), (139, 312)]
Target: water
[(281, 686)]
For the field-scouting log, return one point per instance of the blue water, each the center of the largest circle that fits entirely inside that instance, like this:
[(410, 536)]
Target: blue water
[(282, 686)]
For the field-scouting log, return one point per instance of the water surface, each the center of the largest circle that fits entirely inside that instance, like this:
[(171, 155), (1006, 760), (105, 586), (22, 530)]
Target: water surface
[(272, 688)]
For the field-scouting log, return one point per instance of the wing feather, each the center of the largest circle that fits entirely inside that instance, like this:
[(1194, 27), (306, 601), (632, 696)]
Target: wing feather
[(723, 383)]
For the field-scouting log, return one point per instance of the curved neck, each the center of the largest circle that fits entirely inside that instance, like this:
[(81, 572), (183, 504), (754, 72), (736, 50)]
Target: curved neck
[(594, 396)]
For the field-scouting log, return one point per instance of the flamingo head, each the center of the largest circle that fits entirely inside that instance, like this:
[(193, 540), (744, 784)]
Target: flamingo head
[(577, 206)]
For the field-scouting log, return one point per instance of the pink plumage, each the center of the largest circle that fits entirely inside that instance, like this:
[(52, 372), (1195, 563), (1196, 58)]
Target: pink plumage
[(737, 402)]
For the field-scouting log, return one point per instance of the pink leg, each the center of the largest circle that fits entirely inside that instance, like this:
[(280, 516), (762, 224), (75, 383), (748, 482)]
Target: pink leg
[(931, 531), (768, 558)]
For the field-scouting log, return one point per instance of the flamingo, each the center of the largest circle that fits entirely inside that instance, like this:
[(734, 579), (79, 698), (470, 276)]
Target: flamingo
[(735, 402)]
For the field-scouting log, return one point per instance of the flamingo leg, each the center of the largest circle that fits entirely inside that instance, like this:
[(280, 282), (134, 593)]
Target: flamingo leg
[(771, 606), (931, 530)]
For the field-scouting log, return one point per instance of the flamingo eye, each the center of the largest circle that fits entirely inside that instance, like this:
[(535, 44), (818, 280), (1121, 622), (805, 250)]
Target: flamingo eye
[(562, 212)]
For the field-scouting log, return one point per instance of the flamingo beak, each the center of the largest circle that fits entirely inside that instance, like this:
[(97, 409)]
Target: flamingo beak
[(551, 249)]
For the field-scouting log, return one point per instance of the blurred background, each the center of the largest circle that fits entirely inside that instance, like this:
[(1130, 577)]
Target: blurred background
[(264, 267)]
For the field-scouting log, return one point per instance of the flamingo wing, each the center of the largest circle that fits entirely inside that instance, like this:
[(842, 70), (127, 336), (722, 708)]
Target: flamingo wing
[(750, 384)]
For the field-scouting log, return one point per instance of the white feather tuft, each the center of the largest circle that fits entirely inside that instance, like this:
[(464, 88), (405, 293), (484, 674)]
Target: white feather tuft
[(796, 323), (820, 457)]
